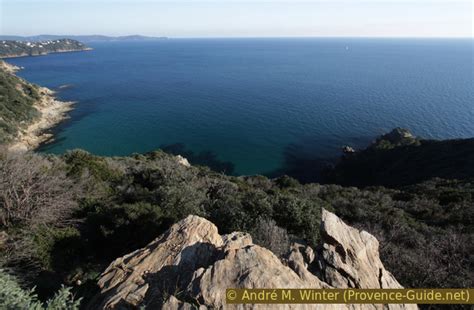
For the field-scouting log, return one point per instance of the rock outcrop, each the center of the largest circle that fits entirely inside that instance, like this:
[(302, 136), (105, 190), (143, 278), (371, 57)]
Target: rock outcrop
[(350, 258), (183, 161), (399, 159), (191, 265), (396, 137)]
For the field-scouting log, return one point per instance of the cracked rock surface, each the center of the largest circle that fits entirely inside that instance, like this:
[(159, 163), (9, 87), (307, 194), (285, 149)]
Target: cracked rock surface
[(191, 265)]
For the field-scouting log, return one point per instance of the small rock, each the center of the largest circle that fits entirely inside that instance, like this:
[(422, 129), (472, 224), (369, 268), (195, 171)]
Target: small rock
[(183, 161), (348, 150)]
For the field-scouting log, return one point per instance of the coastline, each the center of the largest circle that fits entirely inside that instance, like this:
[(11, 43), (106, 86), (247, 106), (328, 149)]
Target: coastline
[(51, 113), (44, 54)]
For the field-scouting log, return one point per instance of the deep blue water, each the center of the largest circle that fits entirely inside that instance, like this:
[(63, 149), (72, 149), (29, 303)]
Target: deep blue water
[(265, 105)]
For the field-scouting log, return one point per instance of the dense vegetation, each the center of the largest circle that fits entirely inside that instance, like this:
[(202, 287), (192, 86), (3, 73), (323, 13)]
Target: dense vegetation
[(64, 219), (16, 103), (10, 48)]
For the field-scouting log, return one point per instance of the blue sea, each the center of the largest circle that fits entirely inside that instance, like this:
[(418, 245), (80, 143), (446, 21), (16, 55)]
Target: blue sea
[(257, 106)]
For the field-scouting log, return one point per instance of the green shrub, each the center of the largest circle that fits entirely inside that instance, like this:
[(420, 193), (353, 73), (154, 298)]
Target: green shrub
[(114, 230), (58, 248), (17, 98), (80, 162), (286, 182), (13, 297)]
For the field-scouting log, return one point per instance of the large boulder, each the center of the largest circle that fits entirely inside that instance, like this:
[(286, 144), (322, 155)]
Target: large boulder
[(191, 265), (349, 258)]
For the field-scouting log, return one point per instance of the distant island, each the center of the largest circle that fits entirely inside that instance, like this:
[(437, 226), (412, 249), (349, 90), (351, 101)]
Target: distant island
[(81, 38), (12, 48)]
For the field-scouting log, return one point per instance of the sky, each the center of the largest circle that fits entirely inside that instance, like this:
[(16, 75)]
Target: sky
[(239, 18)]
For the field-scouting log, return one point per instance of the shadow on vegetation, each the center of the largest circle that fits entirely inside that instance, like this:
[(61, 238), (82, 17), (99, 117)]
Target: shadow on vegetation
[(204, 158), (312, 159)]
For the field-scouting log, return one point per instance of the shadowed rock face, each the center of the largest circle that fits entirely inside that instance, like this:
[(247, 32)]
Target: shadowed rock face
[(191, 265)]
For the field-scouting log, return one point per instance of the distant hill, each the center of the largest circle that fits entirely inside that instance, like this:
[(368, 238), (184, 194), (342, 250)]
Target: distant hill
[(81, 38), (399, 159), (12, 48)]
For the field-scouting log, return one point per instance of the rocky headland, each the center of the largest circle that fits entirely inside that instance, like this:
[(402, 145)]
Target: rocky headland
[(52, 112), (399, 158), (12, 48), (32, 110)]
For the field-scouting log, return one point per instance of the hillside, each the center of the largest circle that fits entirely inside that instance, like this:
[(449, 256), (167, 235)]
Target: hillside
[(11, 48), (80, 212), (17, 100), (27, 111), (398, 159)]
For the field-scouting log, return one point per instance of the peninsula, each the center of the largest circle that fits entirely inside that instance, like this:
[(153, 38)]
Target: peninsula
[(27, 110), (13, 48)]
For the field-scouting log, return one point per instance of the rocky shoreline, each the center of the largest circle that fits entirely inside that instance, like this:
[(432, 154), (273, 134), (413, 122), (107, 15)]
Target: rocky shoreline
[(52, 112)]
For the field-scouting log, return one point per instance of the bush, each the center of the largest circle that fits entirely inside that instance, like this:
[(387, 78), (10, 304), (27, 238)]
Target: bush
[(286, 182), (33, 191), (13, 297), (58, 248), (114, 230), (268, 235), (300, 217), (80, 162)]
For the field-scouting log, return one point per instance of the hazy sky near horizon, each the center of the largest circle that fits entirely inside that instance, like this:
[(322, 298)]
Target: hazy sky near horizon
[(239, 18)]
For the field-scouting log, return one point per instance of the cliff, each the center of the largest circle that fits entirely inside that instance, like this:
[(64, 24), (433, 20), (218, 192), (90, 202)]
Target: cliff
[(10, 48), (191, 265)]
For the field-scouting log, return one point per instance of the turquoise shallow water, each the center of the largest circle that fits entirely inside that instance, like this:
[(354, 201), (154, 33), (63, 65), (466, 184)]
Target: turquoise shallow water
[(257, 106)]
